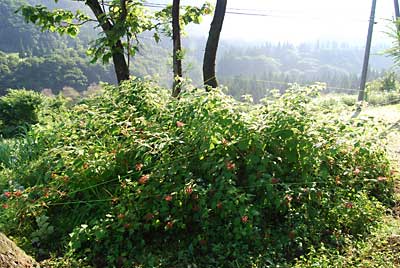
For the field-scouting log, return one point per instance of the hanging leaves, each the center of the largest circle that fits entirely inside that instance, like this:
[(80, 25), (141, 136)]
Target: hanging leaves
[(57, 20), (188, 14)]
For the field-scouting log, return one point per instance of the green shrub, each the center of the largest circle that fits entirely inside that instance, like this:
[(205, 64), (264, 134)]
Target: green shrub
[(18, 110), (337, 101), (383, 98), (387, 83), (136, 179), (349, 100), (383, 91)]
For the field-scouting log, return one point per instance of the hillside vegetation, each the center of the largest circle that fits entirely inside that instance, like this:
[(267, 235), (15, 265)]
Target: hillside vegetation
[(135, 178), (264, 167)]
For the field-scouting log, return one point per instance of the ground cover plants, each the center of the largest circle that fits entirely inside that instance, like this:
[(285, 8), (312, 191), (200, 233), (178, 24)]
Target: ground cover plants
[(135, 178)]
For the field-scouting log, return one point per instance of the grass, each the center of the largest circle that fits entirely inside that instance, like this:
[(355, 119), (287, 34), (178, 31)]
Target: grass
[(5, 153)]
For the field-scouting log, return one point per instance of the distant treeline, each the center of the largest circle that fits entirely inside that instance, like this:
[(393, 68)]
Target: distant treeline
[(54, 71), (35, 60), (272, 66)]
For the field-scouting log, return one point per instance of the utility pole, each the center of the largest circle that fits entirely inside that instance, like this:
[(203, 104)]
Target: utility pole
[(361, 95), (397, 12), (396, 9)]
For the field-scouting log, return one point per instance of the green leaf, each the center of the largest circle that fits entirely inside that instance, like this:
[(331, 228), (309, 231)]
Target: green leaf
[(72, 31), (156, 37), (291, 156)]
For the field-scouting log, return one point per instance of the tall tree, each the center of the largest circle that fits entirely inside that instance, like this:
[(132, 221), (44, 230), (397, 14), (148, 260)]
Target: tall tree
[(210, 54), (120, 21), (177, 48)]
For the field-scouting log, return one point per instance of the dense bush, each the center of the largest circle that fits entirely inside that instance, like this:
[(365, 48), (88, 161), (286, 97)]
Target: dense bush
[(136, 179), (18, 110)]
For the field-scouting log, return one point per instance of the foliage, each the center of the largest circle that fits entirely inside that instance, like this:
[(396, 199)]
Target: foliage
[(129, 20), (18, 109), (384, 91), (136, 179), (394, 34), (383, 98), (381, 250), (244, 69), (122, 21), (190, 14), (387, 83), (337, 102), (6, 158), (71, 68), (67, 68), (58, 20)]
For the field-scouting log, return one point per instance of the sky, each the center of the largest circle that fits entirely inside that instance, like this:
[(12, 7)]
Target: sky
[(299, 21)]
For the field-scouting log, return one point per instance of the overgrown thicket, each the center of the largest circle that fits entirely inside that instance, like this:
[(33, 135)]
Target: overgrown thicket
[(135, 178)]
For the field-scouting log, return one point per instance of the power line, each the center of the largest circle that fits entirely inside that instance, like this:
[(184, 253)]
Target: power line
[(262, 13)]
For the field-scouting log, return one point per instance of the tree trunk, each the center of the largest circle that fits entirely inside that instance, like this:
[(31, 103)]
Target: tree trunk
[(12, 256), (120, 64), (176, 37), (210, 54)]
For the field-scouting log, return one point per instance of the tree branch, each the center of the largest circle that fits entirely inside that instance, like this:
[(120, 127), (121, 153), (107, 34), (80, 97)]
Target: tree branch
[(105, 23)]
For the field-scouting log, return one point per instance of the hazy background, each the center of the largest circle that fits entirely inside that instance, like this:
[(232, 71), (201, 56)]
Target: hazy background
[(300, 21), (265, 44)]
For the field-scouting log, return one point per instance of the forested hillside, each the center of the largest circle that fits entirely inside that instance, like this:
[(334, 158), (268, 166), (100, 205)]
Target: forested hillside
[(16, 36), (38, 60), (255, 69)]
